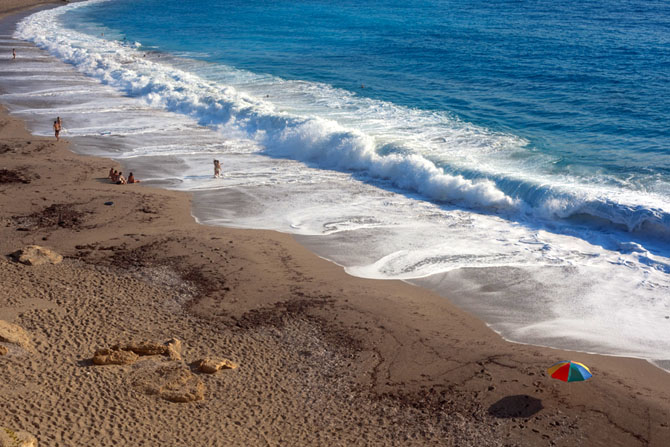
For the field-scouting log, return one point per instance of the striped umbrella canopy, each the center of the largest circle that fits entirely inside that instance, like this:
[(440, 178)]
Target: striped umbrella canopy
[(569, 371)]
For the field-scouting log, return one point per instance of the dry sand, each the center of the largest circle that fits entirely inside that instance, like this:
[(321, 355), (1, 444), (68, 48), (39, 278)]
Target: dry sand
[(11, 6), (325, 359)]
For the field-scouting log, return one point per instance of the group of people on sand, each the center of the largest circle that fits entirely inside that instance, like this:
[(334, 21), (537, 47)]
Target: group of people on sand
[(114, 175), (118, 178)]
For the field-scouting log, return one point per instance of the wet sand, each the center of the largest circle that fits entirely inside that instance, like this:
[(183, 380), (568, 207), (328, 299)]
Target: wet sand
[(325, 358)]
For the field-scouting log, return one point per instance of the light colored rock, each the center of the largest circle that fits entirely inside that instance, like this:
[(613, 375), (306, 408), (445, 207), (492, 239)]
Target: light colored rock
[(11, 333), (210, 366), (127, 353), (143, 348), (114, 357), (3, 350), (36, 255), (11, 438), (174, 349), (171, 381)]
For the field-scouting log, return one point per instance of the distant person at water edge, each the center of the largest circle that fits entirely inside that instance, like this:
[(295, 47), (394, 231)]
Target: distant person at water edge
[(58, 125), (13, 53), (131, 178), (217, 169)]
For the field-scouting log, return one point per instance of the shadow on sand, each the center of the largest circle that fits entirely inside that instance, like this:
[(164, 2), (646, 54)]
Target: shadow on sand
[(519, 406)]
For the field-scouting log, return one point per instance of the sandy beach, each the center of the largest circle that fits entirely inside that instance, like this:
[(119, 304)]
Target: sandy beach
[(323, 358)]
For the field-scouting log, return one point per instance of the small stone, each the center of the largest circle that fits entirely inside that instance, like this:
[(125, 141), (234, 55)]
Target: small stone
[(36, 255), (143, 348), (210, 366), (11, 333), (114, 357), (174, 348), (11, 438), (3, 350)]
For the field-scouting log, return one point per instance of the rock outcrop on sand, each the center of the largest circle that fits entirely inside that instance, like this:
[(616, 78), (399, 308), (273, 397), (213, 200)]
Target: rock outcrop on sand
[(171, 348), (165, 373), (174, 349), (11, 333), (212, 365), (128, 353), (172, 381), (143, 348), (11, 438), (108, 356), (36, 255)]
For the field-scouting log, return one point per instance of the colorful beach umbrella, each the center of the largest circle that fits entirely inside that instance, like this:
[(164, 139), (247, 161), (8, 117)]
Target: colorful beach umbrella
[(569, 371)]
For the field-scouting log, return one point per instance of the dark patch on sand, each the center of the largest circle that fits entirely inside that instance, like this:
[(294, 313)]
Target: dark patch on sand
[(7, 176), (63, 215), (520, 406), (278, 313), (57, 215), (150, 256)]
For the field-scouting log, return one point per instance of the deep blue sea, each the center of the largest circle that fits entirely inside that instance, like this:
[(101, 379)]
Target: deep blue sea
[(511, 155)]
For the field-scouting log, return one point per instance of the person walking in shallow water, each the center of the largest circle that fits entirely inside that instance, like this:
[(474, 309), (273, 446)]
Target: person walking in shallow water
[(13, 53), (58, 125), (217, 169)]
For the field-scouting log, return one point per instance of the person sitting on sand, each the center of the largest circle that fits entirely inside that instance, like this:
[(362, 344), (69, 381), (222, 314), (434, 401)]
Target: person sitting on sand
[(131, 178), (114, 176), (111, 174), (121, 180), (57, 127), (217, 169)]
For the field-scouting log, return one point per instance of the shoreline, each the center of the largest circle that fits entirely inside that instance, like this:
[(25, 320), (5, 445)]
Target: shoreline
[(409, 357)]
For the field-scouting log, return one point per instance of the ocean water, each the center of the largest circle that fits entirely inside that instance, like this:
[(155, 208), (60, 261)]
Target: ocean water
[(513, 156)]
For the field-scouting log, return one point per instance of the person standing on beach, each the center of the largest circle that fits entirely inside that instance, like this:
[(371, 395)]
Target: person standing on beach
[(58, 125), (13, 53)]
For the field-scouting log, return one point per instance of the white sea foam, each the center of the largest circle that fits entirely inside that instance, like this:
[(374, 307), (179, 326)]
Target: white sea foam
[(350, 176)]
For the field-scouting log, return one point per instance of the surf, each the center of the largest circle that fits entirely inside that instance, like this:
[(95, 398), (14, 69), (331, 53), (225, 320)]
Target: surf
[(436, 155)]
